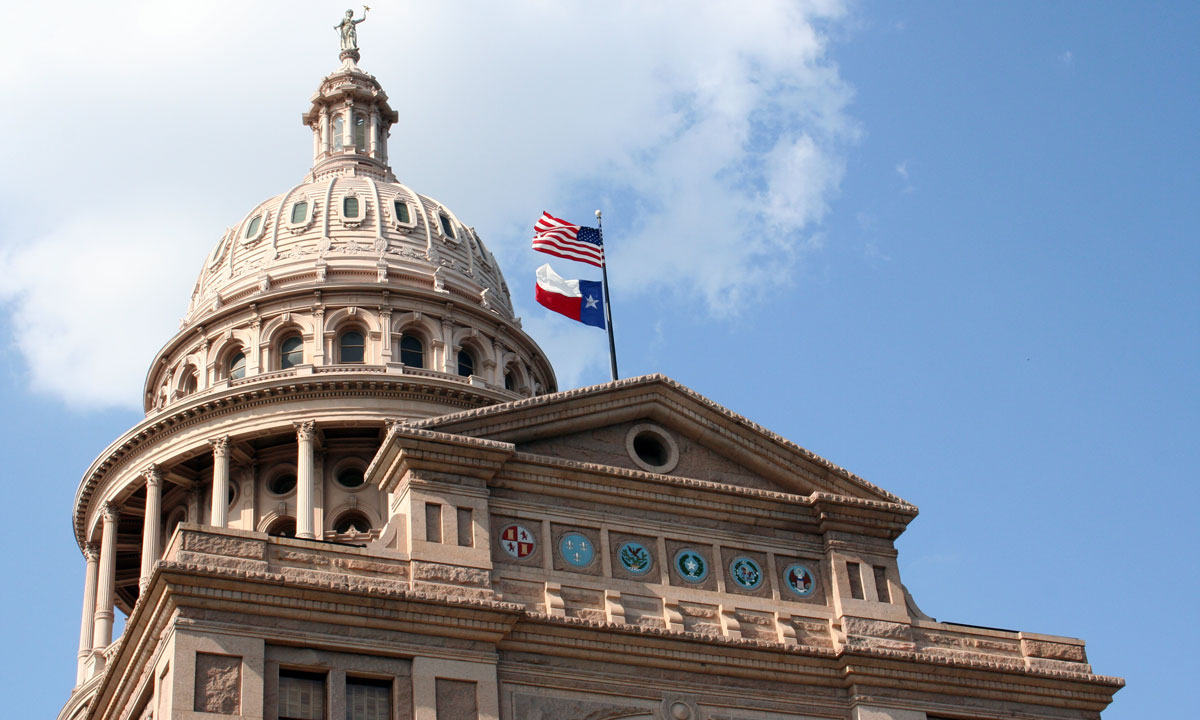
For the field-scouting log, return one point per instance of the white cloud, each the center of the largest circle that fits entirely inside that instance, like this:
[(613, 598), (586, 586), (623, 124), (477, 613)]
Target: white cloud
[(1066, 57), (902, 171), (713, 134)]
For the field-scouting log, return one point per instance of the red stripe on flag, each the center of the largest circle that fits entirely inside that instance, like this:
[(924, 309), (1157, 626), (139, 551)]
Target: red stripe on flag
[(562, 304)]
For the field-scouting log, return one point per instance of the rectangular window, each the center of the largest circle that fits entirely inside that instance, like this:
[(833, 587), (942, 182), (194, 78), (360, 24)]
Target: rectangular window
[(466, 530), (433, 522), (881, 584), (447, 229), (456, 700), (368, 699), (299, 212), (301, 695), (856, 586), (402, 212)]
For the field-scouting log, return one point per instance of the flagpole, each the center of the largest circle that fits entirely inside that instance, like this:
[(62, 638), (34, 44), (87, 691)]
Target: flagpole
[(612, 345)]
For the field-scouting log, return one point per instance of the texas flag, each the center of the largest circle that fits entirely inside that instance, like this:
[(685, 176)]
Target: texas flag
[(581, 300)]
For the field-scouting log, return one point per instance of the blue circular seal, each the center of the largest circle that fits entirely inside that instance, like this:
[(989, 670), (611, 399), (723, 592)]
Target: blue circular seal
[(800, 580), (691, 565), (635, 558), (746, 573), (577, 549)]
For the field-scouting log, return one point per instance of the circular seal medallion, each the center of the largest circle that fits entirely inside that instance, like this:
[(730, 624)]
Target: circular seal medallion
[(576, 549), (691, 565), (517, 541), (635, 558), (799, 579), (746, 573)]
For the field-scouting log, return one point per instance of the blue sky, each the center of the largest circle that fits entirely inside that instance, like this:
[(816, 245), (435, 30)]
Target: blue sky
[(949, 246)]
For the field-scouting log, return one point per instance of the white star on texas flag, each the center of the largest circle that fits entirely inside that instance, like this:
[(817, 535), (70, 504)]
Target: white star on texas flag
[(591, 301)]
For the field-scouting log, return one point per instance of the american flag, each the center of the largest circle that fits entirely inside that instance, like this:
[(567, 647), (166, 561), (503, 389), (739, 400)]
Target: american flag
[(571, 242)]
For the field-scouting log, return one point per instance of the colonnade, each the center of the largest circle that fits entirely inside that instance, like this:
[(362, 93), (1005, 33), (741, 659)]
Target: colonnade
[(99, 585)]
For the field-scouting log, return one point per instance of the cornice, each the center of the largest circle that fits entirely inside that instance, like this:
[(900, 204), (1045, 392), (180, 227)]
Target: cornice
[(514, 420), (291, 389), (850, 666)]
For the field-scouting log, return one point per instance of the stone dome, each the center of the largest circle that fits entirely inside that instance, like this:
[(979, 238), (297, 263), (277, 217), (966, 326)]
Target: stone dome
[(350, 245)]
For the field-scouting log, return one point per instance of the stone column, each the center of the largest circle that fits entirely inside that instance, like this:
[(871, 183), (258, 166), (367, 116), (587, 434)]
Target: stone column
[(373, 140), (450, 355), (254, 358), (325, 144), (91, 553), (151, 549), (106, 578), (306, 433), (385, 322), (219, 515)]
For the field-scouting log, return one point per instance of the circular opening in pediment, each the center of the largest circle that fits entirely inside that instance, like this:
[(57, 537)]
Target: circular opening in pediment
[(652, 448)]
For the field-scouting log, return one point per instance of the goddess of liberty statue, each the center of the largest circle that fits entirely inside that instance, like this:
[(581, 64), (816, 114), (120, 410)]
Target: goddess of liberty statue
[(346, 29)]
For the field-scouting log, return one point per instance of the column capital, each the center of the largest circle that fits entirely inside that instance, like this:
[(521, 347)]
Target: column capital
[(111, 512), (91, 551), (220, 446), (306, 431), (153, 474)]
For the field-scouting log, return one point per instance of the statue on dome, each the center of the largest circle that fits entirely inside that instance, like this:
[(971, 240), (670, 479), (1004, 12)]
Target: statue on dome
[(346, 29)]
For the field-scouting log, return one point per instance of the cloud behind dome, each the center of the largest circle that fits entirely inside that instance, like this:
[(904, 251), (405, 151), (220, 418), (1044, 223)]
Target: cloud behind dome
[(713, 134)]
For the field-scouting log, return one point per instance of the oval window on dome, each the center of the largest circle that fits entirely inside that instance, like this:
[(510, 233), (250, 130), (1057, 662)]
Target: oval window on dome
[(219, 251), (300, 212), (400, 212), (282, 484), (447, 226), (351, 209), (254, 227), (237, 366), (291, 352), (351, 478)]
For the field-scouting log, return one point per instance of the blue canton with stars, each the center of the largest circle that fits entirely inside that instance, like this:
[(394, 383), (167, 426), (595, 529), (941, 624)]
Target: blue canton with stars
[(591, 306)]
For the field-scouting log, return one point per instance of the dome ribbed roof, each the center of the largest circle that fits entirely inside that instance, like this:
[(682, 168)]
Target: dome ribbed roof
[(349, 221), (308, 236)]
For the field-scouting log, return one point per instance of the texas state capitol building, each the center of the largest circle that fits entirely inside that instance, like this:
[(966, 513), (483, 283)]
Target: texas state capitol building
[(358, 494)]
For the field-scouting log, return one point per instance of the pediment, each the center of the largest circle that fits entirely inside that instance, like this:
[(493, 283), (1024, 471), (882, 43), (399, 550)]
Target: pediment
[(597, 425)]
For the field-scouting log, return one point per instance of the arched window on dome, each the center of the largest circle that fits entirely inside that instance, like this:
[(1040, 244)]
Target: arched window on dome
[(191, 382), (510, 380), (351, 347), (283, 527), (352, 520), (291, 352), (351, 208), (412, 351), (339, 132), (237, 365), (466, 363), (360, 132)]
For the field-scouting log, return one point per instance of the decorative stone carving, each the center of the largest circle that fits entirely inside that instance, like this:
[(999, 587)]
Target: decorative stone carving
[(220, 446), (306, 430)]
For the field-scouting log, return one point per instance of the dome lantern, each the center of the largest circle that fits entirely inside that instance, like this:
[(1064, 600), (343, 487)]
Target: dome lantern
[(350, 119)]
